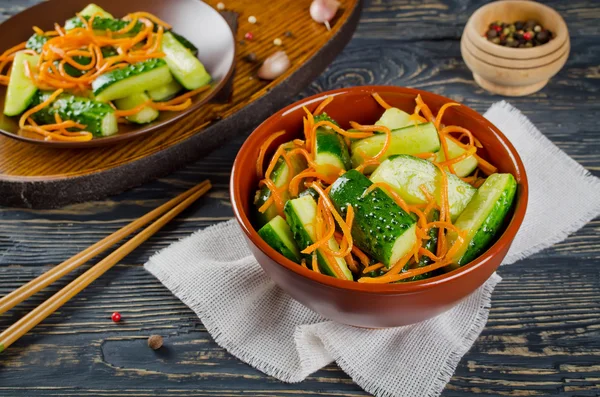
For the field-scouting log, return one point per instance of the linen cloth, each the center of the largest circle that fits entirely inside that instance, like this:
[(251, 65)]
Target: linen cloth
[(214, 274)]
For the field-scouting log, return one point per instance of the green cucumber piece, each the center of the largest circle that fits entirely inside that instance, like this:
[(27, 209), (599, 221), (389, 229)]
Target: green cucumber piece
[(131, 79), (462, 168), (405, 173), (430, 245), (186, 43), (381, 228), (146, 115), (331, 151), (99, 118), (36, 42), (301, 215), (280, 176), (278, 235), (415, 139), (184, 66), (101, 25), (394, 118), (21, 89), (483, 217), (310, 192), (165, 92), (93, 9)]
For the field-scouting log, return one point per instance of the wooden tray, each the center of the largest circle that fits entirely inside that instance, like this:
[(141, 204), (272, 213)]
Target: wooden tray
[(37, 177)]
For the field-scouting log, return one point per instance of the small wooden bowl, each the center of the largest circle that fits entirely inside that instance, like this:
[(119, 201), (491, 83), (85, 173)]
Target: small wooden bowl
[(373, 305), (514, 71)]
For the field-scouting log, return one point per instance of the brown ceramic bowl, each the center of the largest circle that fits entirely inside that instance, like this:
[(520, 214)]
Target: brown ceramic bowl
[(514, 71), (194, 19), (374, 305)]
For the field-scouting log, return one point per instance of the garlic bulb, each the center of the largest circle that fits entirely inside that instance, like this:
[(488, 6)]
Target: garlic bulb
[(323, 11), (274, 66)]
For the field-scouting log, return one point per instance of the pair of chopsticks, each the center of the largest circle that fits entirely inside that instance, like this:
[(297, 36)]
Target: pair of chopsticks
[(169, 210)]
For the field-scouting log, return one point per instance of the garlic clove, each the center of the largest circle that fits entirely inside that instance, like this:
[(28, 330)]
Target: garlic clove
[(323, 11), (274, 66)]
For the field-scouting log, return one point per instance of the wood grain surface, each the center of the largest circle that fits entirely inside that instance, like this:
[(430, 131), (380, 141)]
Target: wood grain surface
[(41, 177), (543, 334)]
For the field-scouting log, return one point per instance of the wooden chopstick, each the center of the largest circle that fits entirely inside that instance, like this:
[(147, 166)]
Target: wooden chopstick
[(33, 318), (25, 291)]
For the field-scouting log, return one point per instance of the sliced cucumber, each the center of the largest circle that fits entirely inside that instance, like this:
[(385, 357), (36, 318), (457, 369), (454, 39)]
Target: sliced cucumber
[(301, 215), (186, 68), (146, 115), (186, 43), (462, 168), (430, 245), (281, 175), (131, 79), (405, 174), (36, 42), (381, 228), (101, 25), (165, 92), (484, 216), (21, 89), (331, 152), (394, 118), (310, 192), (415, 139), (98, 117), (278, 235), (93, 9)]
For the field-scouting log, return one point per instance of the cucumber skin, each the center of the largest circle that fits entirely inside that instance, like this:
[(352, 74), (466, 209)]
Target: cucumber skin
[(271, 237), (92, 9), (103, 82), (69, 107), (331, 143), (185, 42), (174, 51), (491, 226), (103, 24), (36, 42), (263, 194), (303, 240), (310, 192), (374, 211)]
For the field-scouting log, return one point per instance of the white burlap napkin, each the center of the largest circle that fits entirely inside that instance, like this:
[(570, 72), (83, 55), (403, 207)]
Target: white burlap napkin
[(214, 273)]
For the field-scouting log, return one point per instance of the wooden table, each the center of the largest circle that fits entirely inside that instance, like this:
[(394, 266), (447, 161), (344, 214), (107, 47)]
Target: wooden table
[(543, 334)]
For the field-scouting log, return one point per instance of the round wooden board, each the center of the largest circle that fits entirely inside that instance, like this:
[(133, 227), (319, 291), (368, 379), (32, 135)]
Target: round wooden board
[(38, 177)]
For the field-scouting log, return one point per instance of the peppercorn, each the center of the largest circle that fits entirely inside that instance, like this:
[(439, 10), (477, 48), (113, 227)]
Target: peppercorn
[(116, 317), (543, 37), (288, 34), (530, 24), (527, 35), (519, 25), (251, 57), (155, 342), (491, 34), (249, 36)]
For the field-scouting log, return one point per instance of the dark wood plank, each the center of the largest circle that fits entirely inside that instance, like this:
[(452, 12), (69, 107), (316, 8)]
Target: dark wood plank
[(543, 335)]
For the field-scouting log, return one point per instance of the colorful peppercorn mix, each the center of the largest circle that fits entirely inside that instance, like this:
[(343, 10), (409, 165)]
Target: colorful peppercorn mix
[(518, 34)]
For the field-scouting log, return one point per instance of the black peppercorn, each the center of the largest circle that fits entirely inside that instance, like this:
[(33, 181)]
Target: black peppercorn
[(530, 24), (491, 34), (519, 25), (543, 37)]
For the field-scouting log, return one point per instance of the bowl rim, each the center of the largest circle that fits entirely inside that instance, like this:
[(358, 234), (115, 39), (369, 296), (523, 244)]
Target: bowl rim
[(142, 130), (503, 241), (516, 53)]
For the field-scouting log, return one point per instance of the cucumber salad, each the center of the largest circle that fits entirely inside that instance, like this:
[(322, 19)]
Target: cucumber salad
[(80, 80), (402, 200)]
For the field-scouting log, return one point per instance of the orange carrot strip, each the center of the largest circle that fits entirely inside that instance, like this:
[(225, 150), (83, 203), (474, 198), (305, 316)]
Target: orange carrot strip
[(263, 150), (424, 109), (294, 185), (373, 267), (380, 101), (322, 105), (438, 117)]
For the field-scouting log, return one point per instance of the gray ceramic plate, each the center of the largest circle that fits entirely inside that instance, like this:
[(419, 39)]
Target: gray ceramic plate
[(197, 21)]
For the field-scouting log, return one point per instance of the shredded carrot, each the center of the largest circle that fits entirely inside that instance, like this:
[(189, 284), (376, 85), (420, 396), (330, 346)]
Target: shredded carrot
[(373, 267), (323, 104), (132, 111), (454, 128), (315, 265), (303, 263), (153, 18), (373, 128), (294, 186), (341, 131), (457, 159), (276, 194), (424, 109), (266, 205), (380, 101), (351, 263), (263, 150), (440, 114), (484, 165)]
